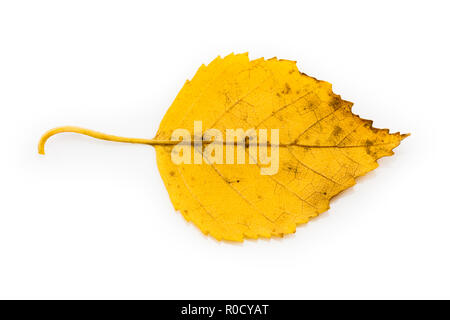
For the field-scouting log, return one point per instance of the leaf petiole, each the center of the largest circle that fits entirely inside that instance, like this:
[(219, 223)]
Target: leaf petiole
[(98, 135)]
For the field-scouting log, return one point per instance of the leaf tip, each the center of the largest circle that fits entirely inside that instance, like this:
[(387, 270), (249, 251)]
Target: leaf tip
[(405, 135)]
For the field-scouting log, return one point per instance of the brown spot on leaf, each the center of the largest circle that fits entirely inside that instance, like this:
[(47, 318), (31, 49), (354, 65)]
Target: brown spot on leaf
[(335, 102), (287, 89), (337, 131), (368, 145)]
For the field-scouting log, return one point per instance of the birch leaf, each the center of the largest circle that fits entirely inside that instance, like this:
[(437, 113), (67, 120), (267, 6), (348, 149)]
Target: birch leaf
[(323, 148)]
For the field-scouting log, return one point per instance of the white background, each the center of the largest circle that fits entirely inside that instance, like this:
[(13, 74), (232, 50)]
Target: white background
[(92, 219)]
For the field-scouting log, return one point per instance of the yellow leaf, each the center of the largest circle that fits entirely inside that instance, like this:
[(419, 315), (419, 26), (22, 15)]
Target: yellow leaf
[(322, 147)]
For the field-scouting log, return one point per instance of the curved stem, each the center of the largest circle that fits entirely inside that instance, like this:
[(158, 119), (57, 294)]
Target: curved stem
[(98, 135)]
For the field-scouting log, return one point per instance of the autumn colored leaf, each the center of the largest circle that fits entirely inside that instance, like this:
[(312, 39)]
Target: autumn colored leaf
[(323, 147)]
